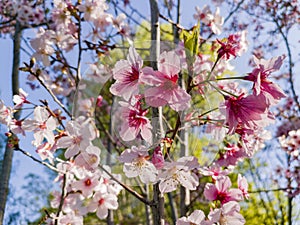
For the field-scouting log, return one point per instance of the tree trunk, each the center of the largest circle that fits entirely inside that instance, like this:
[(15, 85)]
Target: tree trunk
[(8, 155), (158, 199)]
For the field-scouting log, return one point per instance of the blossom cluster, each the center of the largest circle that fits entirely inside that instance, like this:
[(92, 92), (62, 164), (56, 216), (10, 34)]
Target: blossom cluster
[(291, 145), (88, 188), (69, 145)]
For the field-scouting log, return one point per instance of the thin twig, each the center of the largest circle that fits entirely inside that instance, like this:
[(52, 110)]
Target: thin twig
[(273, 190), (62, 198), (53, 96), (287, 45), (130, 190), (172, 22)]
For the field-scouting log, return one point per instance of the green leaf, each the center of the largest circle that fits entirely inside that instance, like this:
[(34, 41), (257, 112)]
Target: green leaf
[(191, 44)]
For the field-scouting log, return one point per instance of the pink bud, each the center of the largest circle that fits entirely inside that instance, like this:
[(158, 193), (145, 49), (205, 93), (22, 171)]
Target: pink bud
[(158, 158), (99, 101)]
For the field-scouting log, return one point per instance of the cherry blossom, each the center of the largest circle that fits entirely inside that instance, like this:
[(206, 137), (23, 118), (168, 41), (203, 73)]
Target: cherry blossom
[(78, 137), (60, 14), (229, 213), (86, 105), (165, 89), (112, 186), (216, 22), (101, 203), (203, 15), (247, 111), (215, 171), (270, 91), (46, 151), (89, 159), (70, 219), (92, 9), (253, 140), (20, 99), (16, 127), (136, 164), (120, 24), (6, 114), (86, 185), (179, 172), (127, 75), (243, 185), (231, 156), (98, 73), (158, 158), (42, 125), (235, 44), (64, 40), (196, 218), (42, 45), (102, 21), (220, 191), (135, 121)]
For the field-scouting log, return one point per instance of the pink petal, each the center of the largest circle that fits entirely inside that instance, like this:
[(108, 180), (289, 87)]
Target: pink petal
[(169, 63)]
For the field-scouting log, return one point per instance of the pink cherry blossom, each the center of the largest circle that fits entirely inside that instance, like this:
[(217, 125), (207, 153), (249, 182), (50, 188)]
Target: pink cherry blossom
[(78, 137), (179, 172), (165, 89), (216, 22), (204, 15), (231, 155), (20, 99), (42, 125), (112, 186), (214, 171), (60, 14), (137, 164), (101, 203), (91, 9), (127, 75), (229, 213), (135, 121), (86, 185), (16, 127), (247, 111), (121, 25), (98, 72), (64, 40), (158, 158), (262, 85), (233, 46), (253, 140), (6, 114), (70, 218), (103, 21), (243, 185), (220, 191), (89, 159), (46, 151), (42, 45), (196, 218)]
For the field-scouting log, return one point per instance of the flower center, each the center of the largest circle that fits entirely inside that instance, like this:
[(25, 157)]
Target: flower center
[(101, 201), (77, 140), (88, 182)]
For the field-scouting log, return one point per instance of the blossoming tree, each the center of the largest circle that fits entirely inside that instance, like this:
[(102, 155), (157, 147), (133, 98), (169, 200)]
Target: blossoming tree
[(121, 112)]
